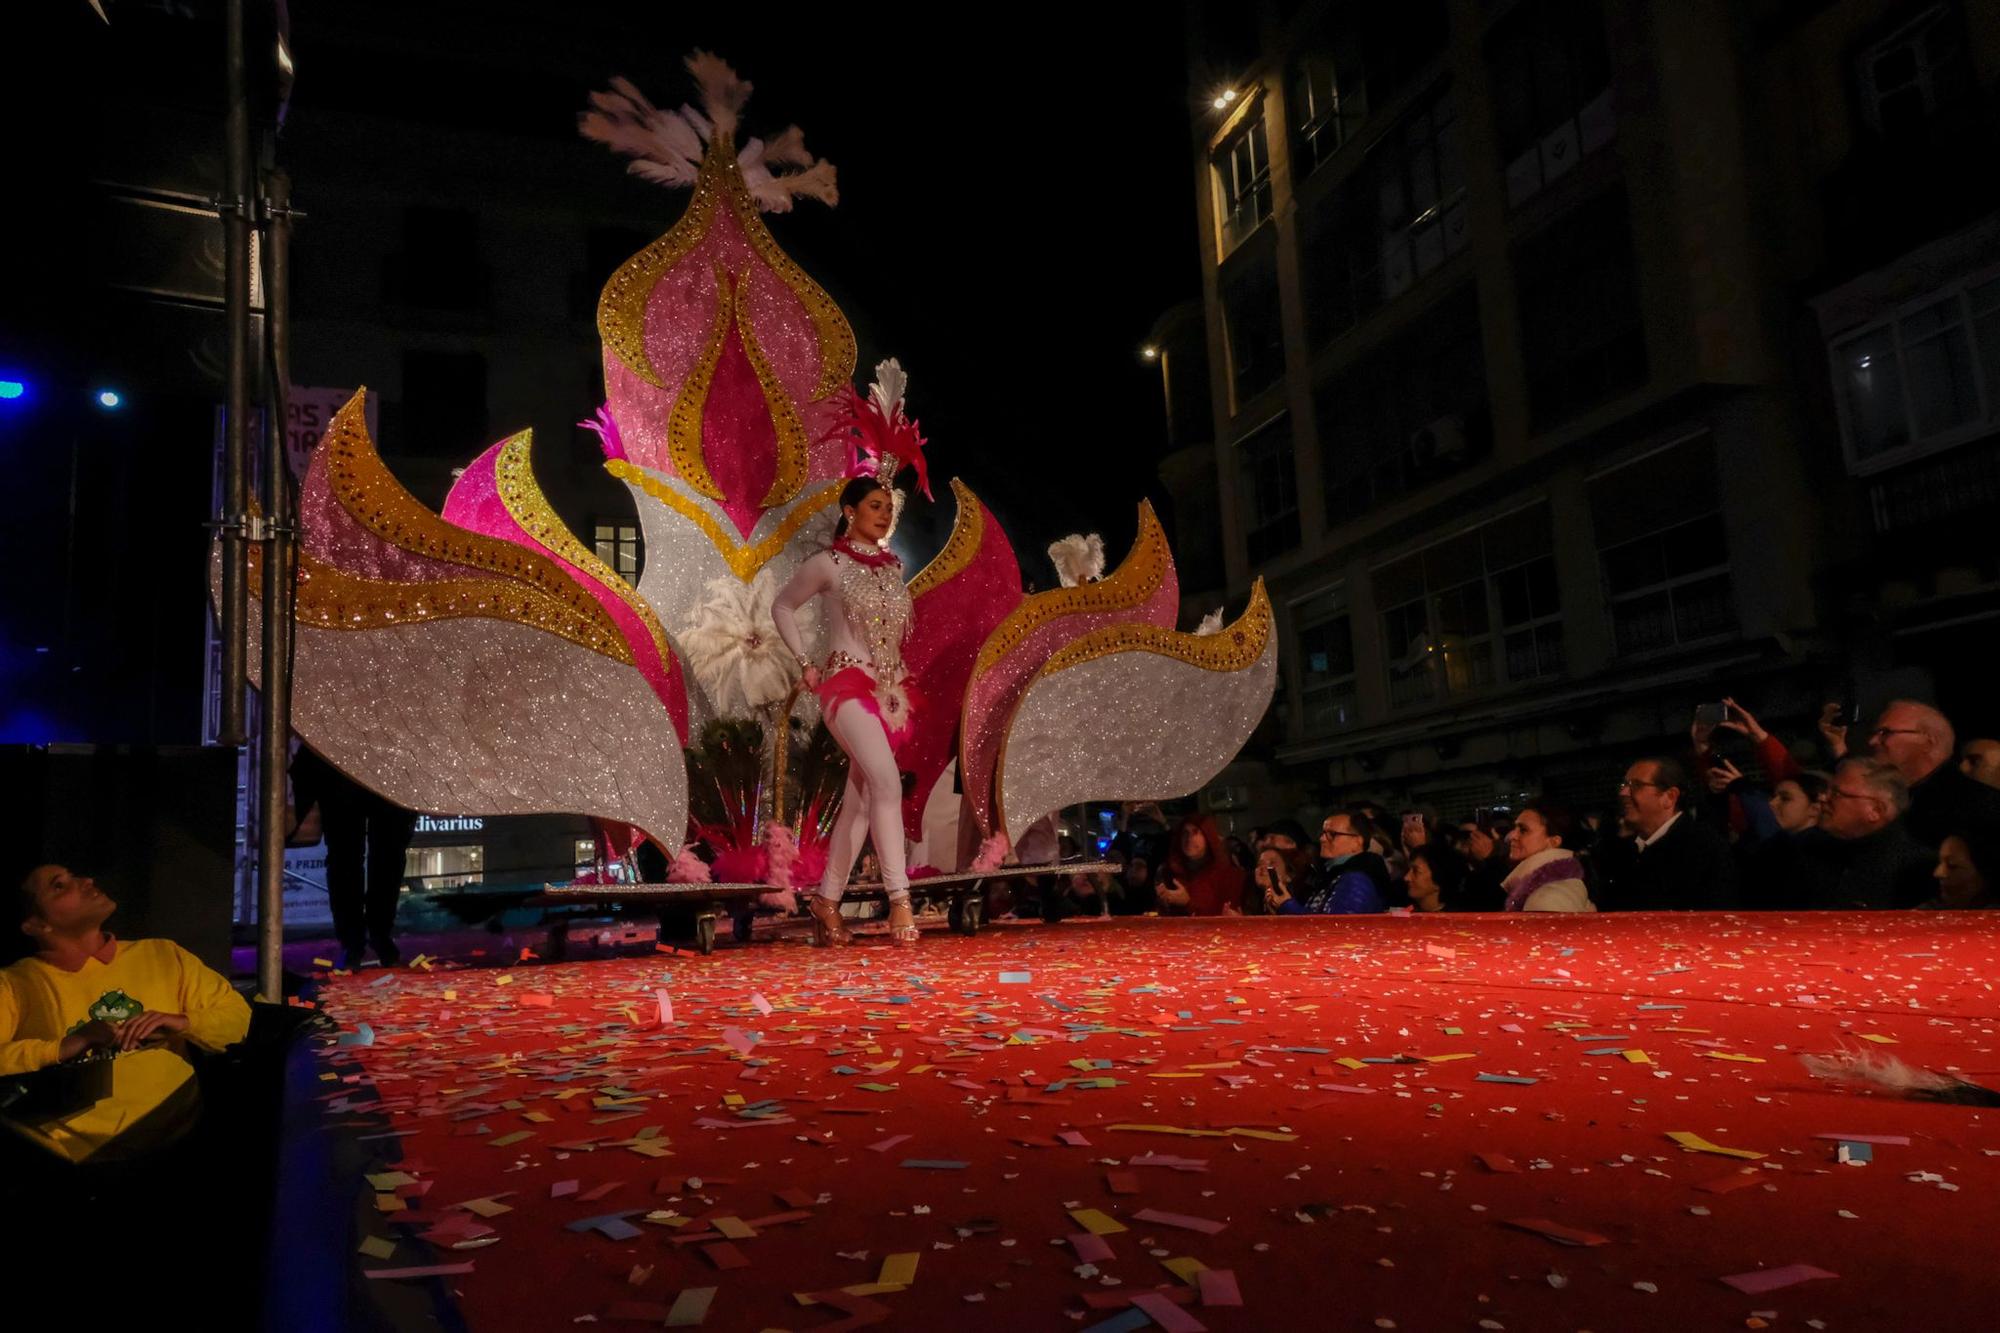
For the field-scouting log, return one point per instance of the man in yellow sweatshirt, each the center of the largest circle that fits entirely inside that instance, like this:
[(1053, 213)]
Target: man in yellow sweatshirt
[(138, 1003)]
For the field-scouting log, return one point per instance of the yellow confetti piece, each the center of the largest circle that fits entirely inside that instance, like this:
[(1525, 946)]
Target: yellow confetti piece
[(1639, 1057), (1184, 1267), (389, 1203), (504, 979), (376, 1247), (1879, 1039), (1351, 1062), (734, 1228), (732, 1099), (1176, 1074), (899, 1269), (328, 962), (1689, 1139), (1271, 1134), (1739, 1059), (1440, 1059), (1172, 1129), (1096, 1221), (451, 995)]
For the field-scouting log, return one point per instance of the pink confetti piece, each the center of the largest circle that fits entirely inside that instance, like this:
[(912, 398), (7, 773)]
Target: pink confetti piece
[(1073, 1139), (1772, 1279), (1218, 1287), (759, 1003), (889, 1143), (1181, 1220), (1170, 1317), (1091, 1249)]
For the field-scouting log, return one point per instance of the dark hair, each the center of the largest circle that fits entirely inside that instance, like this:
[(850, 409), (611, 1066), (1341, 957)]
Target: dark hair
[(1556, 819), (1288, 828), (1360, 823), (1448, 869), (1667, 772), (853, 493), (1810, 781)]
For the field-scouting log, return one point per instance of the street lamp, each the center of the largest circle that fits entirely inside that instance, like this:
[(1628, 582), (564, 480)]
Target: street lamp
[(1150, 352), (110, 399)]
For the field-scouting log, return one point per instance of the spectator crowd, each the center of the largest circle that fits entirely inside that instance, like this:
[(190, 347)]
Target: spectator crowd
[(1903, 816)]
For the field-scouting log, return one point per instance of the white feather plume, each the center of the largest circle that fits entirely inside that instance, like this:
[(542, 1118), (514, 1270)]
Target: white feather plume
[(724, 93), (733, 647), (1210, 623), (666, 147), (1078, 558), (891, 383)]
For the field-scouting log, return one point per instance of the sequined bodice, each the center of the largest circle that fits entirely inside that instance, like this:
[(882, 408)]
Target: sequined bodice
[(876, 604)]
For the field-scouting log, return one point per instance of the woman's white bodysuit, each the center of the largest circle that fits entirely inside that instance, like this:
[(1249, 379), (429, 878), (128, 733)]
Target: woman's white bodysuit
[(866, 615)]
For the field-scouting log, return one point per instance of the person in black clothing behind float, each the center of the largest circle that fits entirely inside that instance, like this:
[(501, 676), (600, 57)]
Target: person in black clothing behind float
[(367, 837), (1869, 858), (1679, 864), (1918, 740)]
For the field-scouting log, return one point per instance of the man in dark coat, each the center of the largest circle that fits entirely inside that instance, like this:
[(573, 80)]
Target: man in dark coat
[(1918, 740), (1868, 858), (1676, 863)]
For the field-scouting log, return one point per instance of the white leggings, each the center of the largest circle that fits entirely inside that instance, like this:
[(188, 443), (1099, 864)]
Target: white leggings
[(874, 798)]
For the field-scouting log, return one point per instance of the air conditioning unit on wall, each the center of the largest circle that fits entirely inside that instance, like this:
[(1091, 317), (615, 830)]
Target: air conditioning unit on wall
[(1441, 441)]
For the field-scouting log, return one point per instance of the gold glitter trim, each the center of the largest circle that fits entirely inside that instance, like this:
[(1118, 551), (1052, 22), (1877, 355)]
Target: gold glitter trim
[(684, 421), (329, 598), (1232, 648), (836, 337), (514, 479), (743, 561), (968, 531), (376, 500), (788, 478), (1235, 647), (621, 306), (1135, 580)]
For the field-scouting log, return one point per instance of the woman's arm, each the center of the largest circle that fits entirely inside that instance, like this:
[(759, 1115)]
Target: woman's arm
[(814, 577)]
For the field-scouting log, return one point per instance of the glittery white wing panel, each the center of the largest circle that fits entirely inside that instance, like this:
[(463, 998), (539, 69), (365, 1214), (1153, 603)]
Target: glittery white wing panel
[(486, 717), (687, 547), (1111, 719)]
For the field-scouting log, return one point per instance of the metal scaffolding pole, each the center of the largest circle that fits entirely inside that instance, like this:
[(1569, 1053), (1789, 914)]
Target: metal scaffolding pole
[(235, 207), (277, 535)]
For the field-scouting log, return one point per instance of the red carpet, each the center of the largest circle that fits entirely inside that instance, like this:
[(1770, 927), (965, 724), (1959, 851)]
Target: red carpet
[(936, 1104)]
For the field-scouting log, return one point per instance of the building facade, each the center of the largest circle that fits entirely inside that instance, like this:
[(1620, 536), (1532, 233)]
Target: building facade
[(1576, 361)]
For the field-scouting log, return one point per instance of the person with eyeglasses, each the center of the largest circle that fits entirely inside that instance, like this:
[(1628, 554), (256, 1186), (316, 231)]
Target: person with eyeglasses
[(1675, 863), (1868, 858), (1920, 742), (1348, 879)]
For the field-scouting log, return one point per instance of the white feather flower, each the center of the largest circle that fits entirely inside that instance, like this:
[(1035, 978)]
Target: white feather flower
[(1210, 623), (733, 648), (1078, 559), (891, 383)]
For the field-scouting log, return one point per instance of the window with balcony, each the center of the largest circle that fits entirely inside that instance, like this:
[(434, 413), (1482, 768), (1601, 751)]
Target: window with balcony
[(1551, 77), (1329, 97), (1582, 329), (444, 867), (1918, 70), (1447, 607), (1394, 220), (1325, 667), (1923, 379), (1406, 415), (1663, 550), (1357, 57), (1252, 328), (1243, 181), (1269, 487)]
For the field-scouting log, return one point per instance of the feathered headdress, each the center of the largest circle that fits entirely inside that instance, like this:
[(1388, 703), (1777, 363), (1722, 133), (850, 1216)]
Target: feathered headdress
[(667, 146), (880, 437), (1078, 559)]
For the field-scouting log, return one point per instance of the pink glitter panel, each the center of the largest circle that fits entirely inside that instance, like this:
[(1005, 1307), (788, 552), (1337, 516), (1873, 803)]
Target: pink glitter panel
[(738, 439), (642, 412), (475, 505), (783, 330), (681, 311), (991, 699), (328, 532), (951, 621)]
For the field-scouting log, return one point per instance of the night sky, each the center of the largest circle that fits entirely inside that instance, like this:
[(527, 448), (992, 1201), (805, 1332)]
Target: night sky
[(1016, 204)]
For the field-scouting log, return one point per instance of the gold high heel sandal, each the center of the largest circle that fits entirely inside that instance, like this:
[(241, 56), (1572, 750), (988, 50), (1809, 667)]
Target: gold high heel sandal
[(904, 932), (829, 928)]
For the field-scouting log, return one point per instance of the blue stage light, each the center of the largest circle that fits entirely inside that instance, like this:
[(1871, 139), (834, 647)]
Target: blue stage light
[(109, 399), (13, 389)]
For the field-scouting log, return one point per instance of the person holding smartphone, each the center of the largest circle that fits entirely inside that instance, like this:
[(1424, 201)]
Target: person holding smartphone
[(1347, 880), (1199, 879)]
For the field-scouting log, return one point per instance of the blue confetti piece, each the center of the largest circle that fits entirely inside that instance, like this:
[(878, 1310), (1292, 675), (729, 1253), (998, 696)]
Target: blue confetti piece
[(1504, 1078), (932, 1164), (1016, 978)]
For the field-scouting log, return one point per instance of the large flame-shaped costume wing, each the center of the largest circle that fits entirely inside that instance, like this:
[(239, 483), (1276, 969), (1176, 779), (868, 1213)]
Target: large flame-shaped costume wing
[(466, 672)]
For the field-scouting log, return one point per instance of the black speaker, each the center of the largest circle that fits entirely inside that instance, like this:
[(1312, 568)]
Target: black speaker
[(154, 825)]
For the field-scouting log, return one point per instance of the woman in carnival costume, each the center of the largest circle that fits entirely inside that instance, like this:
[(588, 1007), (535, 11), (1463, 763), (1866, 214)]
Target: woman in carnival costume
[(866, 695)]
